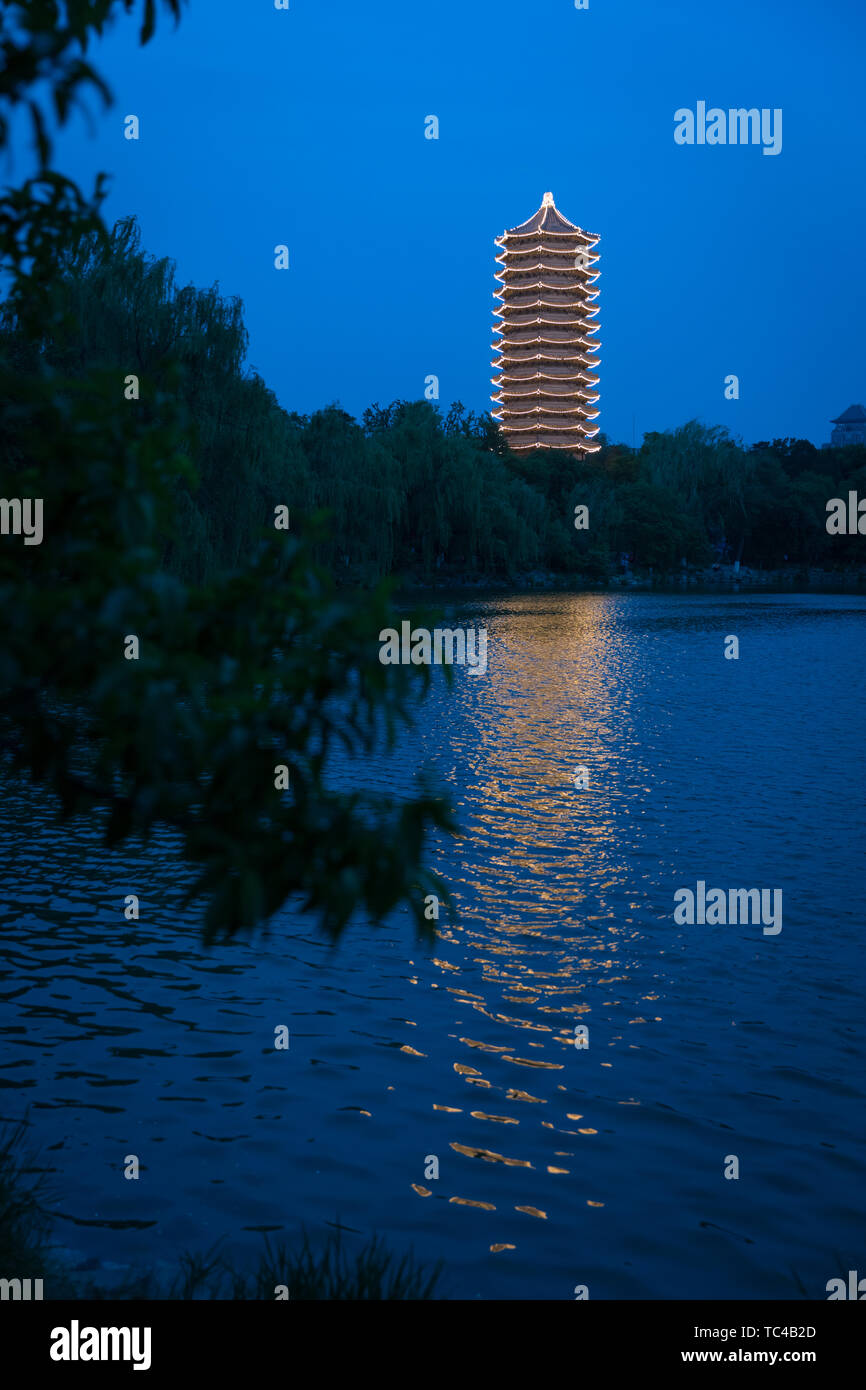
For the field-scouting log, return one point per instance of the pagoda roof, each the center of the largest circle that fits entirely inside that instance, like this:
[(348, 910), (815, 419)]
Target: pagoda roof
[(549, 412), (506, 379), (568, 288), (588, 272), (548, 218), (854, 415), (511, 253), (505, 350), (516, 306), (508, 345), (552, 444), (508, 261), (519, 391), (556, 428), (532, 316), (558, 357)]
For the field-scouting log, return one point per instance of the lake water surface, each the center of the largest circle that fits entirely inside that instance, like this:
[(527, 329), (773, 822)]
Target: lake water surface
[(557, 1166)]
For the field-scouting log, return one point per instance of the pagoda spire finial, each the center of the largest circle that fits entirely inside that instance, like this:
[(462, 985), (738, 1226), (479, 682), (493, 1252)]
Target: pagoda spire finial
[(547, 201)]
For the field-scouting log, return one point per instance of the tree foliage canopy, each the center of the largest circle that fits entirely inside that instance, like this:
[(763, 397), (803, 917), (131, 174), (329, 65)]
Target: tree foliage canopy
[(260, 662)]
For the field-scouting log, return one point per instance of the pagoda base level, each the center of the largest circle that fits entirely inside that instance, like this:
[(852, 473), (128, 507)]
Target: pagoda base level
[(569, 446)]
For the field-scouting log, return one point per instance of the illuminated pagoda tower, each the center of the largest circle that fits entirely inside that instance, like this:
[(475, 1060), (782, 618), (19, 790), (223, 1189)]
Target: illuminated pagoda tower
[(546, 393)]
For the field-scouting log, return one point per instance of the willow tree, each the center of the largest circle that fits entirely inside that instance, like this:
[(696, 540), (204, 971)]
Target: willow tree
[(213, 708)]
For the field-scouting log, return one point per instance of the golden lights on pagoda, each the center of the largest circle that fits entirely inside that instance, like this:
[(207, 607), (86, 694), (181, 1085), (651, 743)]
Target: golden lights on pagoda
[(546, 393)]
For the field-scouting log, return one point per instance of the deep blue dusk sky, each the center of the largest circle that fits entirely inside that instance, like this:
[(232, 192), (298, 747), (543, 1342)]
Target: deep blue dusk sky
[(306, 127)]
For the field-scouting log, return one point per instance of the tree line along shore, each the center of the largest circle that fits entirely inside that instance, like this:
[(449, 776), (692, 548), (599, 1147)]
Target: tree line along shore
[(411, 489)]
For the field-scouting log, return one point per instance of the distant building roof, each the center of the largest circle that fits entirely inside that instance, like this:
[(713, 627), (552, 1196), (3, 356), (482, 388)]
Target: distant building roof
[(854, 415)]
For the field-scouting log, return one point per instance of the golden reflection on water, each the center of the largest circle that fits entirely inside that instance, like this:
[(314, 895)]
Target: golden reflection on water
[(536, 876)]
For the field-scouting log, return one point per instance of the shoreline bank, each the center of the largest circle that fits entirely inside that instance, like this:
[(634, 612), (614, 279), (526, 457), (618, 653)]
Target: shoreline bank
[(722, 578)]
